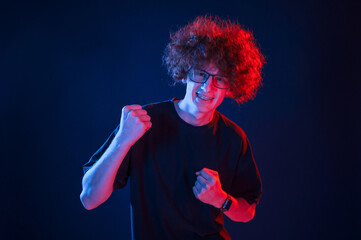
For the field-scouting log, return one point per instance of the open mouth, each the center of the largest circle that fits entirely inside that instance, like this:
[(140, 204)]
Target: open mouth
[(199, 95)]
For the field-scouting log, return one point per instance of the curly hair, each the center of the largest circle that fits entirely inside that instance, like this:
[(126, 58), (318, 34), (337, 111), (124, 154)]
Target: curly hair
[(227, 44)]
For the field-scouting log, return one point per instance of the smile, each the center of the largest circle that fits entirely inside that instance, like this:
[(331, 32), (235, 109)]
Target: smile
[(203, 97)]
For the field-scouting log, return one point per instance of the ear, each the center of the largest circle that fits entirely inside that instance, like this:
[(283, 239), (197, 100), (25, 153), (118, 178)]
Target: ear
[(184, 81)]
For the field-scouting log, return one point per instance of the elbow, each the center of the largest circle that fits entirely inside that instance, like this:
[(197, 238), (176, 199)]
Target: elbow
[(250, 214), (86, 201), (246, 217), (87, 196), (92, 199)]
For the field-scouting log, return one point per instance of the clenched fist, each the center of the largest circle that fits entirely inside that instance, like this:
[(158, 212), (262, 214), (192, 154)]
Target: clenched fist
[(208, 188), (134, 122)]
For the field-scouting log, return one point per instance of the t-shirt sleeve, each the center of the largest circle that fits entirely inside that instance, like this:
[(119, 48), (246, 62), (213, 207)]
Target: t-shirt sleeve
[(247, 181), (123, 171)]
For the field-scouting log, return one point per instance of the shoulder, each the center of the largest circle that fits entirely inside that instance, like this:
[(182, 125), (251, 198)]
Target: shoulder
[(232, 128), (235, 132), (159, 109)]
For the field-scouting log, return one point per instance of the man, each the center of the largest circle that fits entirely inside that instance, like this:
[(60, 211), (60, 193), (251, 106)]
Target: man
[(187, 163)]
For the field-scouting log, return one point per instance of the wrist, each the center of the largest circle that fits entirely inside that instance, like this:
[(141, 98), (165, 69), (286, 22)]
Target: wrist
[(227, 204), (122, 141), (220, 201)]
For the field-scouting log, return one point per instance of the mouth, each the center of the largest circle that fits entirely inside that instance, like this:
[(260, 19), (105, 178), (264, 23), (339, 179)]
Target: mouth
[(204, 98)]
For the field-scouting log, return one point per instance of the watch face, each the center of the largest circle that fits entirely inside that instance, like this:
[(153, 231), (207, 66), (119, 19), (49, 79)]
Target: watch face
[(226, 205)]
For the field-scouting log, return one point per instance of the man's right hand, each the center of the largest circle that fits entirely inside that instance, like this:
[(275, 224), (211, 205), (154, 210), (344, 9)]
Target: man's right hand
[(134, 122)]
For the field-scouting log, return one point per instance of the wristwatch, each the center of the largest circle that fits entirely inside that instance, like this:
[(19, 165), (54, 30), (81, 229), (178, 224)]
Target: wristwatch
[(227, 204)]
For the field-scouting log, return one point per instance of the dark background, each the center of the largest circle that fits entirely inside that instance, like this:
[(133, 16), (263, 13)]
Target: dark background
[(67, 69)]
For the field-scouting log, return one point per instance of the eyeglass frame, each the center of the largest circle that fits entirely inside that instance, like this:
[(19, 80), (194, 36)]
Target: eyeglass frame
[(209, 75)]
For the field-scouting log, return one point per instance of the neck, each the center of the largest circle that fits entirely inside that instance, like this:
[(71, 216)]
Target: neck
[(190, 114)]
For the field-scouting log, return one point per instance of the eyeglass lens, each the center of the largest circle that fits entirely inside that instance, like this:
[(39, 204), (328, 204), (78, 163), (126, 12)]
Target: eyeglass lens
[(218, 81)]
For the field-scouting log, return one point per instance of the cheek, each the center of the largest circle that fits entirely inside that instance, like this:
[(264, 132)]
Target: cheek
[(220, 97), (194, 88), (221, 94)]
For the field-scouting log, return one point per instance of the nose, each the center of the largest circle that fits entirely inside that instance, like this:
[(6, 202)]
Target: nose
[(208, 84)]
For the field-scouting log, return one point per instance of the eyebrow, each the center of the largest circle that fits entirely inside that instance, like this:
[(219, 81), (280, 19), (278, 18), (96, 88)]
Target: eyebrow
[(213, 74)]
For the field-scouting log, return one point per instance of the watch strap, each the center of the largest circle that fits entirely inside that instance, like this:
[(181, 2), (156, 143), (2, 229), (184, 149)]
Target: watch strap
[(227, 204)]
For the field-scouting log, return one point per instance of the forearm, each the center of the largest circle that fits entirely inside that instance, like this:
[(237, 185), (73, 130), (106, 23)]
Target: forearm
[(99, 179), (240, 210)]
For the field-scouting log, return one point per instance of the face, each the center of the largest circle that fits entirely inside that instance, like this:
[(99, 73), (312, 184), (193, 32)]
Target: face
[(205, 98)]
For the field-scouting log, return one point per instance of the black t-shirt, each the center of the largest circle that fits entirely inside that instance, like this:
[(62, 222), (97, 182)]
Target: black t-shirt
[(161, 167)]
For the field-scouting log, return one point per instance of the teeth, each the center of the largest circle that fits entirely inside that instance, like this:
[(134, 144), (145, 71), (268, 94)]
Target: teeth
[(203, 97)]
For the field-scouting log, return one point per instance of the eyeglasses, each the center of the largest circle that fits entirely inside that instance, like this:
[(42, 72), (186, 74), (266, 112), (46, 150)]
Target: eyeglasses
[(200, 76)]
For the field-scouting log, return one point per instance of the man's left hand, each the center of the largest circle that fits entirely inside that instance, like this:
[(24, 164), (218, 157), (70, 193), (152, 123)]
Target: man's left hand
[(208, 188)]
